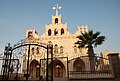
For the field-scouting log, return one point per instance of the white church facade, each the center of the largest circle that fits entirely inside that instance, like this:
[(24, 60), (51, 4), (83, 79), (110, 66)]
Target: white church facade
[(67, 57)]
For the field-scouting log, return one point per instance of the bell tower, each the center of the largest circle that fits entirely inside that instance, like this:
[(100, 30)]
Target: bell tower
[(56, 28), (57, 19)]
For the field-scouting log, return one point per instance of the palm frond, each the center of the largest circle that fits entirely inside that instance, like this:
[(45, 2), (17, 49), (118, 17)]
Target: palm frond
[(82, 38), (96, 35), (89, 39), (99, 40)]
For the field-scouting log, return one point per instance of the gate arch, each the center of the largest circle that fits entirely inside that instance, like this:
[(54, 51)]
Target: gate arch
[(23, 43)]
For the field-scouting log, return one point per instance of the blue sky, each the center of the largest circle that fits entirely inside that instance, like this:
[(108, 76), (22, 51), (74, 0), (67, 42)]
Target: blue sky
[(16, 16)]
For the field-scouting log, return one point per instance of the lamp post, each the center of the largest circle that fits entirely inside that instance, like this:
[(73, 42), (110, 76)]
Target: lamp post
[(49, 51), (51, 47), (27, 74)]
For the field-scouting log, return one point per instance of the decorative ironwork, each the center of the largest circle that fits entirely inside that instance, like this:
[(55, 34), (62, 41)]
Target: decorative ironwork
[(13, 57)]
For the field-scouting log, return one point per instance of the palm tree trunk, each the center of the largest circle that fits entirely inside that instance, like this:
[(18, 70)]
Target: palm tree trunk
[(91, 56)]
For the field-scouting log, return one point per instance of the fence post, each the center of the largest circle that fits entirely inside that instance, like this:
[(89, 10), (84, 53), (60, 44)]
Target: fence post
[(115, 65)]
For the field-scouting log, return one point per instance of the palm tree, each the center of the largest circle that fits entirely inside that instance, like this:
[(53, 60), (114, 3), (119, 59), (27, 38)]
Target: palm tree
[(89, 40)]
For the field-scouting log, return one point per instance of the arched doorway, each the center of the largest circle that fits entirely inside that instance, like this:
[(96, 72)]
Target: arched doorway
[(59, 69), (34, 69), (79, 65)]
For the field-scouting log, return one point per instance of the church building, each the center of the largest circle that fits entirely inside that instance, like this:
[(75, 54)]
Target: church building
[(66, 55)]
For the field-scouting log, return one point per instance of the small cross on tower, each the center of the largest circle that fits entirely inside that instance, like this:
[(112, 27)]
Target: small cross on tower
[(56, 7)]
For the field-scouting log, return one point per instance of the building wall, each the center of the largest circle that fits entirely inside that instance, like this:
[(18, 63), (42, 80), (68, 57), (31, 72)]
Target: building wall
[(58, 34)]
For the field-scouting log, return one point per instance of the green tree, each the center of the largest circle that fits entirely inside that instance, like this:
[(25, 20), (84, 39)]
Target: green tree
[(89, 40)]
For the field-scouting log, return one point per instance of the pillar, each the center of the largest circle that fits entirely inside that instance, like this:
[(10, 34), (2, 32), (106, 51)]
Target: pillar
[(114, 65)]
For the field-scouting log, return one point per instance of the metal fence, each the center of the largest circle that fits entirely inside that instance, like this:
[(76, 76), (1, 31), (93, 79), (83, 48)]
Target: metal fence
[(101, 69)]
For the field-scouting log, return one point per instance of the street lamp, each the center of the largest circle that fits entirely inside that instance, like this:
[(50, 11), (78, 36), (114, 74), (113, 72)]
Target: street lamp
[(28, 74), (49, 52)]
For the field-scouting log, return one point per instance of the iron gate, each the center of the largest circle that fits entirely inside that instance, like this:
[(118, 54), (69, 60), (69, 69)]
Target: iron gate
[(12, 52)]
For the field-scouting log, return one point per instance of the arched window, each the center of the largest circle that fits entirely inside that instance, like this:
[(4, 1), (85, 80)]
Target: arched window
[(79, 65), (58, 71), (32, 50), (30, 34), (56, 48), (75, 49), (55, 32), (80, 49), (61, 49), (56, 20), (37, 50), (49, 32), (62, 31)]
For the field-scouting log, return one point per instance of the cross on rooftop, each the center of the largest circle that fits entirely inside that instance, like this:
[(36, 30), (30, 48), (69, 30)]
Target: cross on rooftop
[(56, 7)]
